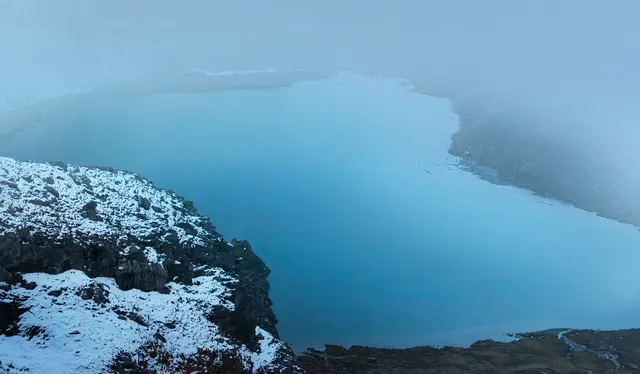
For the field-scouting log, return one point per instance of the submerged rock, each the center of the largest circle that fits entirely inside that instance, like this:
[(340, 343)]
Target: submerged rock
[(100, 271)]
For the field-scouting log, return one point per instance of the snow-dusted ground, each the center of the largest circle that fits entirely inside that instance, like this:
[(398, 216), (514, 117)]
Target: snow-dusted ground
[(49, 198), (327, 180), (71, 323), (81, 335)]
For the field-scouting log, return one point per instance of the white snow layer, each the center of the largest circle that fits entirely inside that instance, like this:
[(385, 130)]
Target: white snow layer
[(82, 336), (153, 257), (51, 200)]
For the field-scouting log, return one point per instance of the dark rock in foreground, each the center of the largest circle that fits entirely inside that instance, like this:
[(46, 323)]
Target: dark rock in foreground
[(552, 351), (100, 271)]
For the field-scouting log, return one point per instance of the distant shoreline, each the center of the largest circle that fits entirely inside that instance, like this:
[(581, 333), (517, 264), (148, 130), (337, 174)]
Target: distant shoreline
[(27, 117), (484, 142)]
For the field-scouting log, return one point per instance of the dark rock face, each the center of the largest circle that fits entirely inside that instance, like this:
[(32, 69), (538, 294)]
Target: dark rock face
[(114, 224), (25, 250), (553, 351), (10, 311)]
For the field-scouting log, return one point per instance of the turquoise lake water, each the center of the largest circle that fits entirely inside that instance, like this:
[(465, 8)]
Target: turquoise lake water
[(325, 180)]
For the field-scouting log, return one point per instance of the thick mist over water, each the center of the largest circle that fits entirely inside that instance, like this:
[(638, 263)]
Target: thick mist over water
[(573, 63), (324, 179)]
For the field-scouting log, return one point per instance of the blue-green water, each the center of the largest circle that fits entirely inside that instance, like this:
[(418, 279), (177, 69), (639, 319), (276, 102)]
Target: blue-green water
[(365, 247)]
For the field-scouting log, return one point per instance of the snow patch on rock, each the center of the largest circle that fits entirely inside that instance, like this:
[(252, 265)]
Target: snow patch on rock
[(153, 257), (59, 200), (69, 330), (103, 222), (269, 347)]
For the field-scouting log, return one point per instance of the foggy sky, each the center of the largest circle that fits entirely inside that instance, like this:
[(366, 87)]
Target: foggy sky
[(576, 60)]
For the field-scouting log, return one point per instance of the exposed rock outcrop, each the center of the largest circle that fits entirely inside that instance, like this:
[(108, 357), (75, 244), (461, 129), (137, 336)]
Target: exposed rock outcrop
[(100, 271), (549, 352)]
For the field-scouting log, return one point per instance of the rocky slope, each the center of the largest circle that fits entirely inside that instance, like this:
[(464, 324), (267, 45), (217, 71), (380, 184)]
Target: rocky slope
[(549, 352), (508, 145), (100, 271)]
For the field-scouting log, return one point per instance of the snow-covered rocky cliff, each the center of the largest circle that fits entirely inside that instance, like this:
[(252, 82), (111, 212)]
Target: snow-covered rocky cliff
[(100, 271)]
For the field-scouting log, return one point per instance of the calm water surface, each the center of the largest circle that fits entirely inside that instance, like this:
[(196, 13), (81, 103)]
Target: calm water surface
[(365, 247)]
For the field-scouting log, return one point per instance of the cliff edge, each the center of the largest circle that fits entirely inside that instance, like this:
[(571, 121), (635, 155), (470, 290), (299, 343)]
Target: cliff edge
[(100, 271)]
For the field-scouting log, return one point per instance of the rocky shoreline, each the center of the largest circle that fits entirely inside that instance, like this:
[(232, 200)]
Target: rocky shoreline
[(549, 352), (498, 142), (96, 254), (100, 271), (510, 146)]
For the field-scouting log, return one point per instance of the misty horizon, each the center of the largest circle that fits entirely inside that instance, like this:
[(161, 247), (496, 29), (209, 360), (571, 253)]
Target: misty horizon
[(407, 173), (574, 62)]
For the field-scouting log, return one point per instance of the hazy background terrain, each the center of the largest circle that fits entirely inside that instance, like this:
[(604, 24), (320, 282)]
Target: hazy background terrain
[(575, 61), (558, 76), (322, 178)]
